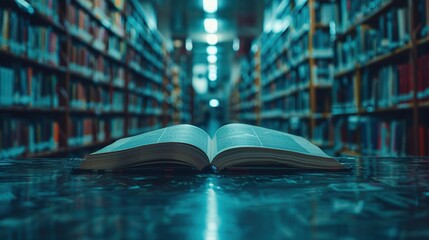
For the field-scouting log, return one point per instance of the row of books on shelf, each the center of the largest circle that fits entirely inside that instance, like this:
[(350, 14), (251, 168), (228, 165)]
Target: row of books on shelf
[(352, 12), (48, 8), (297, 45), (373, 136), (87, 63), (321, 74), (150, 74), (386, 86), (88, 130), (321, 48), (28, 87), (138, 29), (390, 32), (19, 136), (384, 137), (143, 105), (111, 18), (380, 87), (96, 35), (22, 37), (95, 98), (140, 85)]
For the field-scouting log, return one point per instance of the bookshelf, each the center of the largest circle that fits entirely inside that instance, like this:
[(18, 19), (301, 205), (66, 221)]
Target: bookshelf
[(298, 68), (379, 92), (78, 74), (349, 75)]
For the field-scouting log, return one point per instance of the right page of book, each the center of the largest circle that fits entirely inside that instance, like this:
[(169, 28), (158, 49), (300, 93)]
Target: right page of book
[(241, 135)]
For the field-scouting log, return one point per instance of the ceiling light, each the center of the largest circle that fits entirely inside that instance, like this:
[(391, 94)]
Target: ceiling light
[(214, 103), (210, 25), (188, 44), (212, 68), (212, 58), (210, 6), (212, 50), (212, 76), (236, 44), (212, 39)]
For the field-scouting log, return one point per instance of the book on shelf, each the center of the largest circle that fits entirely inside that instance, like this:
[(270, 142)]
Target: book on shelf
[(391, 32), (423, 136), (343, 94), (116, 125), (233, 146), (423, 17), (422, 77), (384, 137), (346, 133), (81, 131)]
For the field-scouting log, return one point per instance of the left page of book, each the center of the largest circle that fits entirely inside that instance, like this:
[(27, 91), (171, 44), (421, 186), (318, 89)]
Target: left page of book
[(184, 133), (164, 148)]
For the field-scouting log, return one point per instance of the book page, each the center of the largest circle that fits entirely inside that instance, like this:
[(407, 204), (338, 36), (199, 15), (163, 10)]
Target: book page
[(180, 134), (242, 135)]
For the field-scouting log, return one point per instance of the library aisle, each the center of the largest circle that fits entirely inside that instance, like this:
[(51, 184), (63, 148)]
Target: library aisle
[(350, 76)]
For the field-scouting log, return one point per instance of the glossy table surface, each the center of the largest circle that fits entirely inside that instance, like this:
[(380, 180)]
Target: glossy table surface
[(379, 198)]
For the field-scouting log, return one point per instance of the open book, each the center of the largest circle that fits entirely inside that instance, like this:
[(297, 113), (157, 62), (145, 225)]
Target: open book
[(233, 146)]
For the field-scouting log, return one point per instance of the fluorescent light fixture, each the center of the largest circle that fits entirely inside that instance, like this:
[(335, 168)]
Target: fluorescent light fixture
[(212, 76), (210, 6), (212, 50), (210, 25), (236, 44), (212, 58), (188, 44), (214, 103), (212, 39), (212, 68)]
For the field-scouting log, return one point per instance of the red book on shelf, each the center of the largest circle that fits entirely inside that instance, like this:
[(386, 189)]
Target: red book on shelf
[(401, 80), (422, 142), (427, 140), (409, 82), (425, 73), (29, 83), (56, 133), (421, 73)]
